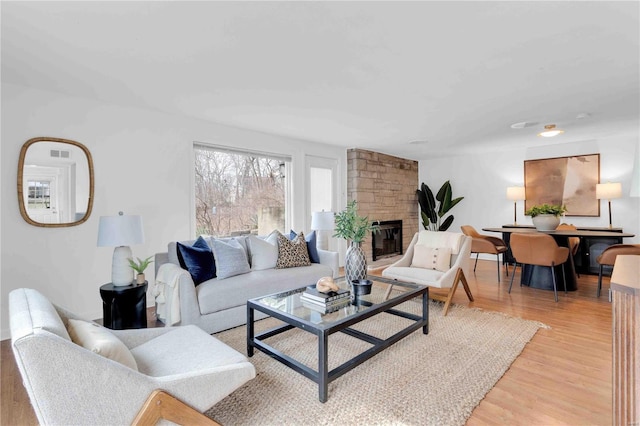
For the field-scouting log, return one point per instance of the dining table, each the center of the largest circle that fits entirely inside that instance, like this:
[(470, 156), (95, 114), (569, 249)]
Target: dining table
[(540, 277)]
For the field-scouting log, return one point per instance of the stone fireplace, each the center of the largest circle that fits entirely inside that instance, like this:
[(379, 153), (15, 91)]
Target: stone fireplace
[(385, 188)]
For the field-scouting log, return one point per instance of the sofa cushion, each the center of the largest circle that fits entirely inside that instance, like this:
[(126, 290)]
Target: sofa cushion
[(198, 260), (264, 252), (217, 295), (100, 340), (312, 248), (292, 253), (230, 258), (438, 258)]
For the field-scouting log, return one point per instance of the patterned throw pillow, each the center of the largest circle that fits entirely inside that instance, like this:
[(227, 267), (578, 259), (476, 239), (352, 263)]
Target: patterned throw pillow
[(292, 253), (314, 257), (438, 258)]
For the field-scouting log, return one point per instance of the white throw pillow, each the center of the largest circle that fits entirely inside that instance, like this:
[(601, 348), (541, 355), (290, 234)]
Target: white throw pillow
[(438, 258), (101, 341), (264, 253)]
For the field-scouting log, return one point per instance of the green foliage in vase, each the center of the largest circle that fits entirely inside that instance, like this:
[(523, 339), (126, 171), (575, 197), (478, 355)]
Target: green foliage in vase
[(555, 210), (433, 213), (140, 265), (352, 227)]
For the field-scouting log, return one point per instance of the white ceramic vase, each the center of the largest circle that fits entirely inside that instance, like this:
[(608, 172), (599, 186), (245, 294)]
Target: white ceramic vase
[(546, 222)]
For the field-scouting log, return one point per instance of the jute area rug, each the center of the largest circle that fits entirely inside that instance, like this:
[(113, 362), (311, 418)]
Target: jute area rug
[(434, 379)]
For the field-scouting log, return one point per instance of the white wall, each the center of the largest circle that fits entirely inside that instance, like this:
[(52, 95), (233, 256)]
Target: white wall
[(142, 162), (483, 179)]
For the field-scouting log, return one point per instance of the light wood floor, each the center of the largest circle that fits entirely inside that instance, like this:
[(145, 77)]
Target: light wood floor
[(563, 376)]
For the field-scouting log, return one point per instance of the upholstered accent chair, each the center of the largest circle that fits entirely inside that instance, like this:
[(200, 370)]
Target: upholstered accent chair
[(486, 244), (538, 249), (106, 378), (608, 258), (435, 259)]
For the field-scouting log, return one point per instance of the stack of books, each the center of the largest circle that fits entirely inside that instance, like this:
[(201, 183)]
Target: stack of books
[(325, 302)]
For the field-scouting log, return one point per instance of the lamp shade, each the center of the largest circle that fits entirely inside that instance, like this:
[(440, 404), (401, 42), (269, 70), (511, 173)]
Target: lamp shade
[(515, 193), (322, 221), (608, 191), (121, 230)]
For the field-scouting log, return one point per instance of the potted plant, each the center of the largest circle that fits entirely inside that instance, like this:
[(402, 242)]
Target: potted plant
[(546, 217), (430, 212), (139, 266), (352, 227)]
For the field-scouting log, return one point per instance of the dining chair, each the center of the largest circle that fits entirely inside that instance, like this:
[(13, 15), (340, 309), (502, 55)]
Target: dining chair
[(541, 250), (486, 244), (608, 258), (574, 242)]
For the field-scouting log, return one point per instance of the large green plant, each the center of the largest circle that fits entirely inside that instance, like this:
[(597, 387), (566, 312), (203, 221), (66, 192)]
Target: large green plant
[(350, 226), (433, 213)]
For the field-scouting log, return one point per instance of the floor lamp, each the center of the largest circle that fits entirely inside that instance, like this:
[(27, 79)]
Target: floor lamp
[(515, 194), (608, 191), (322, 222), (120, 232)]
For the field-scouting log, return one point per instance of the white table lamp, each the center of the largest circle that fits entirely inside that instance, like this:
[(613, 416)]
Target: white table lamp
[(608, 191), (515, 194), (120, 232), (322, 222)]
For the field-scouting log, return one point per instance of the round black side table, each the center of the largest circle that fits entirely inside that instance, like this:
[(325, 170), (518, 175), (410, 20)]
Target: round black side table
[(124, 306)]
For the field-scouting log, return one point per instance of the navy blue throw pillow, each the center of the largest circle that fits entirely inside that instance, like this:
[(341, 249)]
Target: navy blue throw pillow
[(314, 257), (198, 260)]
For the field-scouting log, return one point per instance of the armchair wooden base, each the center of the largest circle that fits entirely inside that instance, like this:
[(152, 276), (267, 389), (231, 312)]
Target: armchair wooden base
[(447, 299), (161, 405)]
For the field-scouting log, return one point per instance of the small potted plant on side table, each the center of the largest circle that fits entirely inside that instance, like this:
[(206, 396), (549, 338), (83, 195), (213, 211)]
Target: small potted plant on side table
[(139, 266), (546, 217)]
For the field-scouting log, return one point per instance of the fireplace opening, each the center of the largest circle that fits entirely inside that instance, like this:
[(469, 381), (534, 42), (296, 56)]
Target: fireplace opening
[(388, 241)]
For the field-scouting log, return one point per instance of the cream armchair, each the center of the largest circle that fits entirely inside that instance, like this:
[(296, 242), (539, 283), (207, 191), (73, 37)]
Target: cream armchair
[(70, 384), (435, 259)]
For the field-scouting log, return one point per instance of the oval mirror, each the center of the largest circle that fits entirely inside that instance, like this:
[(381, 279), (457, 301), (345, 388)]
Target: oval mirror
[(55, 182)]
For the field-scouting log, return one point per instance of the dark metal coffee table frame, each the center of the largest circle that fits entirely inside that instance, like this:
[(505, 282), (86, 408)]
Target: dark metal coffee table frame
[(323, 376)]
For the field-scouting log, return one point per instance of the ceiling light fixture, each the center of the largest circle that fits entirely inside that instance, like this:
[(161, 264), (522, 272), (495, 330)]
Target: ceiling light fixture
[(550, 131)]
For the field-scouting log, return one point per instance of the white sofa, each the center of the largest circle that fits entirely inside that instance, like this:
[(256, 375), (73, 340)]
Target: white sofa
[(70, 383), (219, 304)]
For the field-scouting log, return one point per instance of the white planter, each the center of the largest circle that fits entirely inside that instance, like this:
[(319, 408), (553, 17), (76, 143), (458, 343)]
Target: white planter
[(546, 222)]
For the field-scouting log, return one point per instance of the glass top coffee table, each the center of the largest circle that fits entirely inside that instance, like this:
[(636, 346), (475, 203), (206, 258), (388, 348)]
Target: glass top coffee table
[(288, 308)]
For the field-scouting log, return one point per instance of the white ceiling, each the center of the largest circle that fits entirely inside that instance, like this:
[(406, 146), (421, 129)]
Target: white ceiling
[(373, 75)]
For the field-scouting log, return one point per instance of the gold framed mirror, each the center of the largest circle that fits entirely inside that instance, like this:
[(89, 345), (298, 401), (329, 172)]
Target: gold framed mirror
[(55, 182)]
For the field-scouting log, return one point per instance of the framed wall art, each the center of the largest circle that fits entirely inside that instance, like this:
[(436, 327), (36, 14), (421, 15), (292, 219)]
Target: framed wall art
[(570, 181)]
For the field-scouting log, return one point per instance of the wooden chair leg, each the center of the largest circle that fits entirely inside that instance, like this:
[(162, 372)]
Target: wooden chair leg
[(161, 405), (458, 278)]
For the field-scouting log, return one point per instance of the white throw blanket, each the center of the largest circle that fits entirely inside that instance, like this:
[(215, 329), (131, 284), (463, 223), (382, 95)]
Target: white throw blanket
[(167, 293)]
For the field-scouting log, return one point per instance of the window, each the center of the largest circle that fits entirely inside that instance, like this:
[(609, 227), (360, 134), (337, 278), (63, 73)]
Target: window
[(39, 194), (240, 192)]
